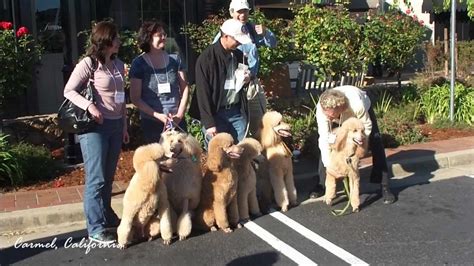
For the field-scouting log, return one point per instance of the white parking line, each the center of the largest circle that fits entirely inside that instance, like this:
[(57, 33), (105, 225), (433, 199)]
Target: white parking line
[(341, 253), (279, 245)]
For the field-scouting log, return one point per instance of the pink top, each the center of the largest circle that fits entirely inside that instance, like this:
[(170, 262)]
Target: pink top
[(105, 87)]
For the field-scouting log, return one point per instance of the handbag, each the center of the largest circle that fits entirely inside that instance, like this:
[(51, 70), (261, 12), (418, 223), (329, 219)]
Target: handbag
[(71, 118)]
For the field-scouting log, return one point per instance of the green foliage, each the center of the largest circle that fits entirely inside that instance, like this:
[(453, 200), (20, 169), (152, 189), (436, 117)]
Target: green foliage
[(284, 51), (301, 115), (399, 128), (393, 38), (18, 58), (329, 39), (202, 35), (10, 172), (35, 162), (383, 104), (445, 6), (195, 129)]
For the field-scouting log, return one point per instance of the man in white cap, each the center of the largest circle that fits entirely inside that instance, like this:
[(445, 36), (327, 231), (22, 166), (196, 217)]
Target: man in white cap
[(260, 36), (218, 100)]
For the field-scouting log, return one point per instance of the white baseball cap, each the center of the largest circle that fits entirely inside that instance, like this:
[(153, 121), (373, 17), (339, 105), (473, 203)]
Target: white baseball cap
[(237, 30), (237, 5)]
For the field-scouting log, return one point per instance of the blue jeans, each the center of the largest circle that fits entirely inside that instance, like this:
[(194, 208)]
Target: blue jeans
[(100, 150), (230, 121), (152, 129)]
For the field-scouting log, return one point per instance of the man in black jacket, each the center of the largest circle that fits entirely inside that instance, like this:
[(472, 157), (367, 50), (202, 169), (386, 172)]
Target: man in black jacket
[(219, 101)]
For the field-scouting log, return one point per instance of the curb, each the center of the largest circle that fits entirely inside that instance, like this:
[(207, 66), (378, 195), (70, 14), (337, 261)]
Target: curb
[(23, 220)]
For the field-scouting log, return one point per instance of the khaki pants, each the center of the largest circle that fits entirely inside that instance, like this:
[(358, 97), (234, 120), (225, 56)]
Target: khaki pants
[(257, 106)]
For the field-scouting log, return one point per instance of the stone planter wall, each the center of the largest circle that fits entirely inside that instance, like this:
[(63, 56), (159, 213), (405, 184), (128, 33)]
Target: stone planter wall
[(38, 130), (43, 130)]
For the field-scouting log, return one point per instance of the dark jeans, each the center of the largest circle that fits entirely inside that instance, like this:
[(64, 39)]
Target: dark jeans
[(153, 128), (231, 121), (379, 160)]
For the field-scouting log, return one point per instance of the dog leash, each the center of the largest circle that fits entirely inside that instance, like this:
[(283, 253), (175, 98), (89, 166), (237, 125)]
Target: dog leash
[(347, 191)]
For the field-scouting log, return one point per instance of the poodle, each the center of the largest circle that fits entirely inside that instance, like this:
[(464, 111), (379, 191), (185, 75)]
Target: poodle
[(280, 164), (247, 184), (145, 195), (219, 187), (184, 181), (349, 147)]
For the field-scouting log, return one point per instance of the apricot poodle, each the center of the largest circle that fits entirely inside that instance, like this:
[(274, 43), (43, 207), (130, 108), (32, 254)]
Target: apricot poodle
[(280, 164), (184, 181), (146, 194), (349, 147), (247, 184), (218, 203)]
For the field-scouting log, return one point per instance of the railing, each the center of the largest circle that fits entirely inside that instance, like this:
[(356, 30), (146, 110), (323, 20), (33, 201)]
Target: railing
[(308, 82)]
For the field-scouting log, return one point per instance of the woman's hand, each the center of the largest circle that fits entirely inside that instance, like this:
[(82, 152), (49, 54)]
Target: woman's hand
[(162, 117), (126, 136), (96, 114)]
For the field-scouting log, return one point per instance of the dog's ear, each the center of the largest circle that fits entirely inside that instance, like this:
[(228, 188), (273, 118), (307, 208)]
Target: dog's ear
[(341, 136), (214, 160)]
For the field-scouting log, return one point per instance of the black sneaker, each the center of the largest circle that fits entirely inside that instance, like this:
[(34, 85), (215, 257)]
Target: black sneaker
[(387, 195), (317, 192), (103, 238)]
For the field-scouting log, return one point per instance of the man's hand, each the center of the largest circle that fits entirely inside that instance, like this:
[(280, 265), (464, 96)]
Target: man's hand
[(260, 29), (212, 131)]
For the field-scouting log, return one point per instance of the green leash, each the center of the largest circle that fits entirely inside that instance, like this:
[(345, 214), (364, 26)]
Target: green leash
[(348, 194)]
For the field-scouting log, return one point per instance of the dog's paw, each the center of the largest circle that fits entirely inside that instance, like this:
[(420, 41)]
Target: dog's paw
[(328, 201), (284, 208), (227, 230), (167, 242), (356, 209), (181, 238), (213, 228), (122, 246)]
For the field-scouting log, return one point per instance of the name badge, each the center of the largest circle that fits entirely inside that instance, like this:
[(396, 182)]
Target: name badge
[(229, 84), (119, 97), (331, 138), (164, 88)]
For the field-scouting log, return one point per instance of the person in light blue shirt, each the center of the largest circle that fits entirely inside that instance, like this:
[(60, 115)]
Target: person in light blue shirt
[(260, 35)]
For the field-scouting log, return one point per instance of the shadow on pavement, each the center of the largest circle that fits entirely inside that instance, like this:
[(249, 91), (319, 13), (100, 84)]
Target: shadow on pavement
[(420, 163), (265, 258)]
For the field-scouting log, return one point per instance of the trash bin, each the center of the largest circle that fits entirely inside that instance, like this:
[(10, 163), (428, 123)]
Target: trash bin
[(72, 148)]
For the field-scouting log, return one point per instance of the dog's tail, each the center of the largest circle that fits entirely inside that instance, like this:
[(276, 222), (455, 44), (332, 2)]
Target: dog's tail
[(145, 160)]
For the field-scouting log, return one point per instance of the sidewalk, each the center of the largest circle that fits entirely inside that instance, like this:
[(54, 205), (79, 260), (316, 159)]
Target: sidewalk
[(20, 211)]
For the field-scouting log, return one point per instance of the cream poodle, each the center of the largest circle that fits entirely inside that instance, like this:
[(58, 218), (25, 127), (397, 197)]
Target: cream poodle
[(218, 203), (349, 147), (247, 184), (280, 165), (184, 181), (146, 194)]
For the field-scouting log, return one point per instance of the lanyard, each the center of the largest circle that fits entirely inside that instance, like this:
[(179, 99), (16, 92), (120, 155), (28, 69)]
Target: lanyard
[(113, 75), (153, 67)]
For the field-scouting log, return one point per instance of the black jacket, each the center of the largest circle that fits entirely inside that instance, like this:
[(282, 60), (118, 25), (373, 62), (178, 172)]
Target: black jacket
[(211, 73)]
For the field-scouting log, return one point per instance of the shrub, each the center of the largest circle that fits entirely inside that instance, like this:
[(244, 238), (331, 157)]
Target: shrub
[(10, 172), (329, 39), (393, 39), (435, 103), (301, 115), (202, 35), (35, 162), (19, 55), (398, 128)]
